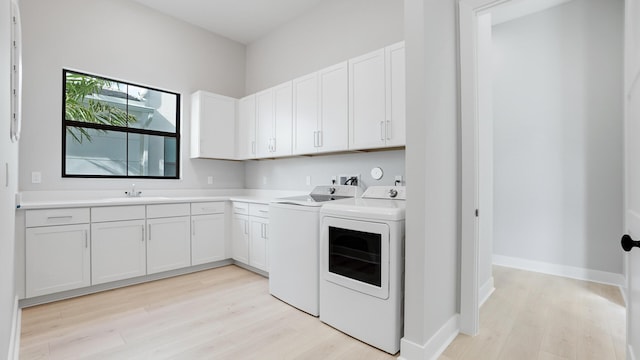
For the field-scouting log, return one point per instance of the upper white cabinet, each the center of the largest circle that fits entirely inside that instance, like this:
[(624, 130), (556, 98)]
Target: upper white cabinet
[(320, 111), (274, 121), (395, 129), (376, 99), (213, 131), (246, 128), (306, 110)]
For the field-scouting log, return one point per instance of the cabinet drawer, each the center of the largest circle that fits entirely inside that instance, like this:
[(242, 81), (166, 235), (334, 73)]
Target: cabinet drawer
[(117, 213), (240, 208), (56, 217), (260, 210), (167, 210), (207, 208)]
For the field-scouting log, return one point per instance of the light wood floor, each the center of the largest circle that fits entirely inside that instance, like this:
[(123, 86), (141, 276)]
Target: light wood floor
[(537, 316), (225, 313)]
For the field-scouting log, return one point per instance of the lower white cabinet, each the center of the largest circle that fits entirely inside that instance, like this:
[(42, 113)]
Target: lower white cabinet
[(57, 258), (168, 244), (258, 249), (240, 237), (118, 251), (250, 229), (207, 238)]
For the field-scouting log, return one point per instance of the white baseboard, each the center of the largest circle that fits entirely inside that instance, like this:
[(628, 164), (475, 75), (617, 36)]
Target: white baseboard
[(14, 340), (572, 272), (485, 291), (434, 347)]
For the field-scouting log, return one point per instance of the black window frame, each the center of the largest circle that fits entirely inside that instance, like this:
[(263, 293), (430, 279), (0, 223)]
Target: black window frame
[(127, 130)]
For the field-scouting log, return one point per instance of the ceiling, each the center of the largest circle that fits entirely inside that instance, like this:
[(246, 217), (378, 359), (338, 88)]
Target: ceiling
[(241, 20)]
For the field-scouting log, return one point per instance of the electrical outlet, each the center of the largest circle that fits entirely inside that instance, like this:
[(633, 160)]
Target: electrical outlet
[(210, 180), (36, 177)]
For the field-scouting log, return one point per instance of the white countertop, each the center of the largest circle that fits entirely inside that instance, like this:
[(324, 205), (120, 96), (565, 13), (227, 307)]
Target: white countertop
[(66, 199)]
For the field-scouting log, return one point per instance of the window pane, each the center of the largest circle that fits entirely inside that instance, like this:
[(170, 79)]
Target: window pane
[(96, 100), (151, 155), (153, 110), (95, 152)]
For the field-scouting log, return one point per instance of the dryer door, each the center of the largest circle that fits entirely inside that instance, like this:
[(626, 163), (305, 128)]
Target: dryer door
[(355, 255)]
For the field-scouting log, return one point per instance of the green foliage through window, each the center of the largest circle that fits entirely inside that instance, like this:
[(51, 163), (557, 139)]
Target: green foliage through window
[(118, 129)]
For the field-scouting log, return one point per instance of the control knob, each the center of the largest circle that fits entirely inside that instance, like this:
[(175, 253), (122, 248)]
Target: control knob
[(332, 190), (393, 193)]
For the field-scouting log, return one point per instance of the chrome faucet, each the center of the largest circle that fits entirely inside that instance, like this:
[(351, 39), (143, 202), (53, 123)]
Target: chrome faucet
[(133, 192)]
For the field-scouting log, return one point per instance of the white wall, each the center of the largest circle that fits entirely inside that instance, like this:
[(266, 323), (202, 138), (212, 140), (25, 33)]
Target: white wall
[(8, 156), (331, 32), (122, 40), (291, 173), (432, 165), (558, 136)]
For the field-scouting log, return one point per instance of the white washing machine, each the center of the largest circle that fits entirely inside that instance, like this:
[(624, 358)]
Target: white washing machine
[(294, 228), (362, 266)]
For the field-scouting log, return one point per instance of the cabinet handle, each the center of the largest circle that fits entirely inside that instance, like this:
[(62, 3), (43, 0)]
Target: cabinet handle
[(265, 231), (274, 145), (315, 139), (382, 130), (263, 211), (320, 138), (6, 174), (246, 227), (388, 129), (59, 217), (253, 147), (193, 227), (86, 239), (142, 232)]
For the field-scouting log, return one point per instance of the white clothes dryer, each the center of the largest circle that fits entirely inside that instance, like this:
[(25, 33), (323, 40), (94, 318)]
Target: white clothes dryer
[(362, 266)]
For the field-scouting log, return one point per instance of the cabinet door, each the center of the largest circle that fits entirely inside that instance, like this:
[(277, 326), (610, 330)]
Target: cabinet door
[(57, 259), (240, 238), (207, 238), (118, 251), (395, 128), (168, 244), (334, 108), (246, 135), (212, 126), (367, 101), (282, 125), (305, 114), (259, 244), (264, 123)]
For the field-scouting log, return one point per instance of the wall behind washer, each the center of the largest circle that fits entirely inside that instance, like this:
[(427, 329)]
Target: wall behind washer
[(331, 32), (123, 40), (558, 136), (291, 173)]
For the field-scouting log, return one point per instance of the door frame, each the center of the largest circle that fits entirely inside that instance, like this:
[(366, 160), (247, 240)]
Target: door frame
[(470, 248)]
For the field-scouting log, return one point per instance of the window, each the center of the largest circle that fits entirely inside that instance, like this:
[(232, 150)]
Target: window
[(119, 130)]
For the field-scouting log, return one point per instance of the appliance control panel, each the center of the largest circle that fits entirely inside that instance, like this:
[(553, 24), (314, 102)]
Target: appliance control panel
[(337, 190), (386, 192)]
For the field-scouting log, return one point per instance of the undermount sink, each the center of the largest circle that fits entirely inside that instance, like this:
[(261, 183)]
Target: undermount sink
[(137, 199)]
